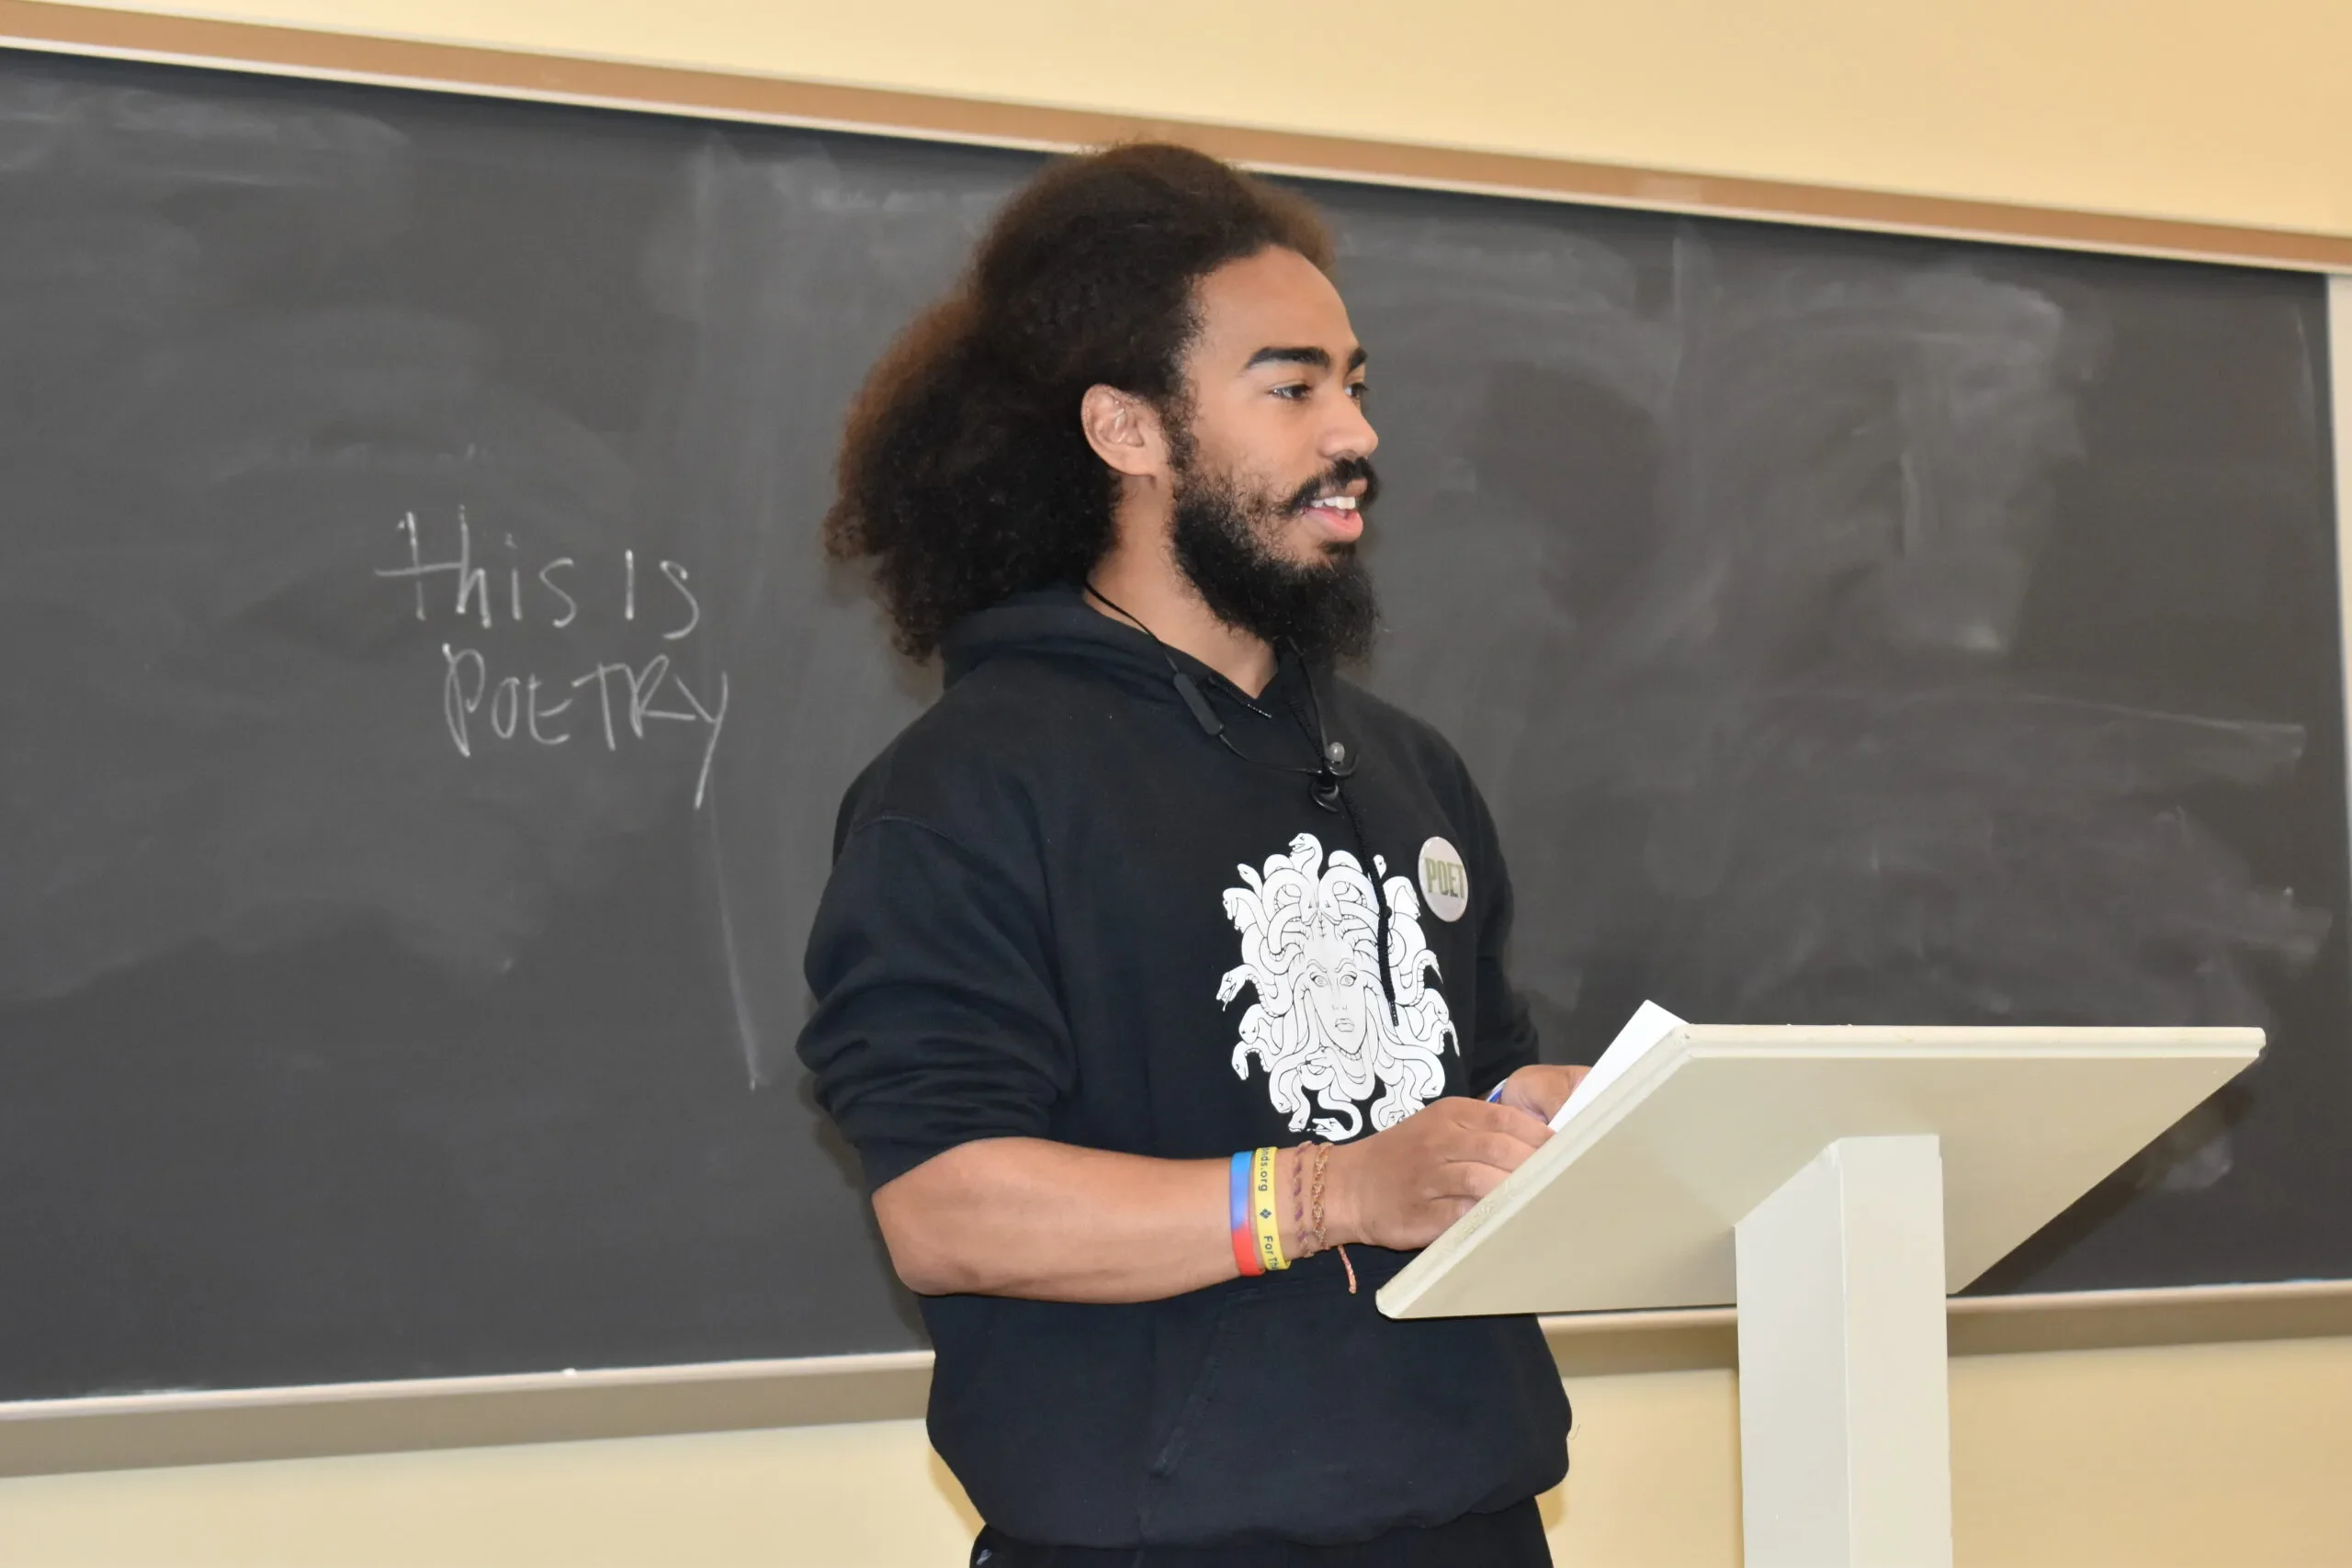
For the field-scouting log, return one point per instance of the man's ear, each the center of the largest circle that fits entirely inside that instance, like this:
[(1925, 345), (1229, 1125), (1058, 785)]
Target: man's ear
[(1124, 432)]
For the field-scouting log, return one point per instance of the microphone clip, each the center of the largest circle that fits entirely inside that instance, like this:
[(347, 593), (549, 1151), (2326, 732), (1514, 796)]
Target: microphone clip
[(1324, 790)]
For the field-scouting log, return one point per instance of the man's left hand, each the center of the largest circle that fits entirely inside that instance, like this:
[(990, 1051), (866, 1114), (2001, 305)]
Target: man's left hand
[(1542, 1090)]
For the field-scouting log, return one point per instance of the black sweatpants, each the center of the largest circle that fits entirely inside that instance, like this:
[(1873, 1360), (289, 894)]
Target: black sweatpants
[(1509, 1537)]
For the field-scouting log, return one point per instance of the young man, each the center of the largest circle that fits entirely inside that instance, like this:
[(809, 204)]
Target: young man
[(1159, 979)]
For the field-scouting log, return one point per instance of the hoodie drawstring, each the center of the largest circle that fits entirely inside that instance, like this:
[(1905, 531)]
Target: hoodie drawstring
[(1379, 897), (1327, 773), (1373, 867)]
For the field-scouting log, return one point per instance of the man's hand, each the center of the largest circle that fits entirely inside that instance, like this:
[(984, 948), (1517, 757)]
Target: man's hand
[(1542, 1090), (1400, 1187)]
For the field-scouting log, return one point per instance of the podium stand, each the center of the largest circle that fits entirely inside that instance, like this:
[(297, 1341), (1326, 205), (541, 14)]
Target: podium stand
[(1836, 1183)]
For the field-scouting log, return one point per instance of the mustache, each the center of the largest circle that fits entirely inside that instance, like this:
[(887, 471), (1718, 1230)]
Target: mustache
[(1340, 475)]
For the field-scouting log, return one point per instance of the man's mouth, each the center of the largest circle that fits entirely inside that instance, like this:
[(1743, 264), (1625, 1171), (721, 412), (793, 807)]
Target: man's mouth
[(1336, 511)]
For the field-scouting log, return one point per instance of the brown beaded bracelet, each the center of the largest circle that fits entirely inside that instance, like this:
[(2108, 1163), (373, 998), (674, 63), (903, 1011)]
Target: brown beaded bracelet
[(1298, 1201), (1314, 1237)]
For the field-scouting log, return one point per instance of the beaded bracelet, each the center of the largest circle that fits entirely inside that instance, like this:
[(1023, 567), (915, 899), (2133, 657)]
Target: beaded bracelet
[(1315, 1211), (1300, 1158), (1314, 1235)]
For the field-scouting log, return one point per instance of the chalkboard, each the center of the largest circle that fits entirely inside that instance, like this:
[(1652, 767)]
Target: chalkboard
[(423, 704)]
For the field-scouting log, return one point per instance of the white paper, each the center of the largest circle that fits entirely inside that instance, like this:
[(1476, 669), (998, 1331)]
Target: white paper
[(1649, 1025)]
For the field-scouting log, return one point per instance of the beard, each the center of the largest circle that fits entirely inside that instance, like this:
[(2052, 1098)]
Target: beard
[(1226, 542)]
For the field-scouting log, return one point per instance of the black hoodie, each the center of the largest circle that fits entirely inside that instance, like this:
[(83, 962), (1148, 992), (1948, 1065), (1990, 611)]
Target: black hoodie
[(1060, 908)]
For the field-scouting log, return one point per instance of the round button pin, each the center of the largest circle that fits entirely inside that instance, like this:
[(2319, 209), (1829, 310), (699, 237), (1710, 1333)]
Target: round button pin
[(1445, 881)]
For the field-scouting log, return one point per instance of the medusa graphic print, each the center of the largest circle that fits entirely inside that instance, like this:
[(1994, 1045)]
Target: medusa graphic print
[(1319, 1027)]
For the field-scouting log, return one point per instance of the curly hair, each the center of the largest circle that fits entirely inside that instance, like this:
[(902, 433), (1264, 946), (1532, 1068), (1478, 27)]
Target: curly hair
[(963, 475)]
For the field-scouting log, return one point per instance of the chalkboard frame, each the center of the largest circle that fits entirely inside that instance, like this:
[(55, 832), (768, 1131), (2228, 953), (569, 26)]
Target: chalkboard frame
[(214, 1426), (53, 1436)]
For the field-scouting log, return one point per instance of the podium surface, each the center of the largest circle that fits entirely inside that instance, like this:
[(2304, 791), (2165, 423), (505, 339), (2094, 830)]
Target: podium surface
[(1632, 1204), (1836, 1183)]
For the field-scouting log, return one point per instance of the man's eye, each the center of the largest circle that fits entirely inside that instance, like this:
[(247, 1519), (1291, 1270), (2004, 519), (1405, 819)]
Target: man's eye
[(1293, 390), (1359, 391)]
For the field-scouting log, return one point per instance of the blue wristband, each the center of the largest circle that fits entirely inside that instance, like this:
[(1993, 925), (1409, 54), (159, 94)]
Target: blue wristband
[(1238, 1209), (1495, 1095)]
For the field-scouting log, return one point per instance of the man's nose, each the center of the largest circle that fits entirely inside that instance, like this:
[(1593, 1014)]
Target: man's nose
[(1350, 434)]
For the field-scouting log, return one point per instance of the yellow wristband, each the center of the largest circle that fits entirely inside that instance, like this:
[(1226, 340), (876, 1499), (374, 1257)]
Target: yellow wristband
[(1265, 1210)]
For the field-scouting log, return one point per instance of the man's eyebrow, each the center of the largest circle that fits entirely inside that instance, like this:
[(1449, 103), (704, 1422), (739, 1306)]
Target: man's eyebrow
[(1302, 355)]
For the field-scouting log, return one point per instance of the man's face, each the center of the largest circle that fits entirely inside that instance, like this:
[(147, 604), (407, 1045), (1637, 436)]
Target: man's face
[(1338, 990), (1272, 474)]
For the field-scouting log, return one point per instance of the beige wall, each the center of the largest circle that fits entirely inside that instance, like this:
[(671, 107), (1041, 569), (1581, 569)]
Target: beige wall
[(2185, 108), (2209, 1455)]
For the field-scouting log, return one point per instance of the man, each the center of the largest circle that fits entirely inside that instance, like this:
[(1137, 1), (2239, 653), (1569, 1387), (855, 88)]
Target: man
[(1160, 978)]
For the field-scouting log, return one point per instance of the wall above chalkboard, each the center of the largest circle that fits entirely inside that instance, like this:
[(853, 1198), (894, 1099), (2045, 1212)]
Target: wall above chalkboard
[(425, 706), (540, 76)]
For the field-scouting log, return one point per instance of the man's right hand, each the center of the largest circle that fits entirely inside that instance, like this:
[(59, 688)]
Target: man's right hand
[(1400, 1187)]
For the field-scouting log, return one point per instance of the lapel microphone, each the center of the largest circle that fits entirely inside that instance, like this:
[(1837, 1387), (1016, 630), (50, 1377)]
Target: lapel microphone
[(1332, 761)]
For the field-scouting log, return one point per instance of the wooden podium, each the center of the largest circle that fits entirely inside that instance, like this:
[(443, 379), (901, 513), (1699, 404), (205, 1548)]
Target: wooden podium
[(1836, 1183)]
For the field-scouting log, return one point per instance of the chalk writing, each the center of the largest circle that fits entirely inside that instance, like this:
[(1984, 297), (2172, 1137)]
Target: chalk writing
[(619, 701), (471, 588)]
